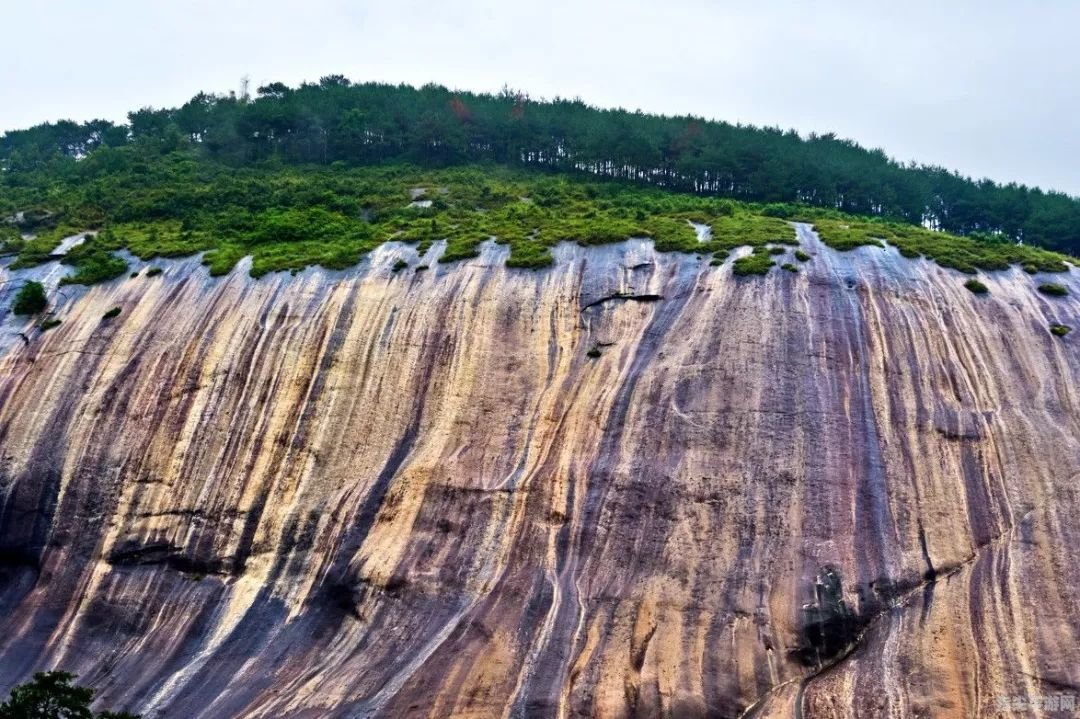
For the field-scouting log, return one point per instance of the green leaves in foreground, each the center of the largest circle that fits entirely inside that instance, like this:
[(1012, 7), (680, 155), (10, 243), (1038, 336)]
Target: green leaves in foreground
[(51, 695)]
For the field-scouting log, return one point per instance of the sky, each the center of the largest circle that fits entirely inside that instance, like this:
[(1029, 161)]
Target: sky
[(989, 88)]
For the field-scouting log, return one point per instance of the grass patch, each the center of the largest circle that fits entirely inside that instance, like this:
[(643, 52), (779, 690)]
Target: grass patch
[(1059, 330), (92, 265), (287, 218), (976, 287), (1053, 289), (756, 263), (966, 254)]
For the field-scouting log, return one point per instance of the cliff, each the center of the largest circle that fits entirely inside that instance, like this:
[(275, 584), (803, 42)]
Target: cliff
[(629, 485)]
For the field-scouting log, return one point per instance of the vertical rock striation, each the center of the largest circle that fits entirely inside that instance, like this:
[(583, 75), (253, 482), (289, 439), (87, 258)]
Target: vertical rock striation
[(846, 492)]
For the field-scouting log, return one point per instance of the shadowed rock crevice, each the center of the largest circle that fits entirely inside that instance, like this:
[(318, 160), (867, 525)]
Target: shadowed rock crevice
[(829, 626), (624, 297)]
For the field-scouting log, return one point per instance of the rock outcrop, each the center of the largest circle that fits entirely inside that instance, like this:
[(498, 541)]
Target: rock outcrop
[(632, 485)]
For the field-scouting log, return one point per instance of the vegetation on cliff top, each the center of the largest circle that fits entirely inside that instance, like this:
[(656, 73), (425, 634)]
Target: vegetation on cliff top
[(287, 218), (317, 176), (335, 120)]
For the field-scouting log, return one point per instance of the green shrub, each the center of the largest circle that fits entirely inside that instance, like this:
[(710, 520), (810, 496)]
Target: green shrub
[(777, 250), (92, 265), (153, 272), (976, 287), (115, 311), (1053, 289), (48, 324), (753, 264), (421, 268), (789, 267), (51, 695), (399, 265), (801, 256), (30, 299), (1060, 330)]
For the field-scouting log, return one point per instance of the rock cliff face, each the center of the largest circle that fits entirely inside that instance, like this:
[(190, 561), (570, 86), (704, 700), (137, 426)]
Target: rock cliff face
[(628, 486)]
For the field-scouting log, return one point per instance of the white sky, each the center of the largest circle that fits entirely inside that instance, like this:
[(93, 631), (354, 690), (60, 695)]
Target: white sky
[(990, 88)]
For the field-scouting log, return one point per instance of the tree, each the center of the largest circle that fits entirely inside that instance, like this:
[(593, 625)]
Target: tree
[(30, 299), (51, 695)]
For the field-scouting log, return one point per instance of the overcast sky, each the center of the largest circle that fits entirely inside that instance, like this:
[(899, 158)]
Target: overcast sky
[(991, 88)]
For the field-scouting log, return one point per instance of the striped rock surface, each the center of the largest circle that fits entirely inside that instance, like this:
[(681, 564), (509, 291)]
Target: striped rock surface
[(631, 485)]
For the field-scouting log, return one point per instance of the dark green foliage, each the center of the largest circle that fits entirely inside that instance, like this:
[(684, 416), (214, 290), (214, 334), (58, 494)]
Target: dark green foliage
[(30, 299), (48, 324), (801, 256), (114, 312), (92, 264), (777, 250), (594, 352), (976, 287), (1059, 330), (756, 263), (789, 267), (1053, 289), (337, 123), (421, 268), (967, 254), (153, 272), (399, 265), (51, 695), (313, 179)]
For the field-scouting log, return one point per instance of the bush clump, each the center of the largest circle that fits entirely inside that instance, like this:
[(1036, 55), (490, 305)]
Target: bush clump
[(757, 263), (48, 324), (30, 299), (1060, 330), (1053, 289), (593, 353), (52, 695), (976, 287), (789, 267), (153, 272), (801, 256), (399, 265), (115, 311)]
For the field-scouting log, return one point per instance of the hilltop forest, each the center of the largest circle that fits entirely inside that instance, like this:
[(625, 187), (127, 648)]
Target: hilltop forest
[(336, 121)]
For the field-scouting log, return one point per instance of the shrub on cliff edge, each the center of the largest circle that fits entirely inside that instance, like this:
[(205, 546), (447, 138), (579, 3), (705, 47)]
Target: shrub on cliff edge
[(30, 299)]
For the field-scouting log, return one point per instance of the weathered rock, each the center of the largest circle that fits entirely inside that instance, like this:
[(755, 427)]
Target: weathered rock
[(373, 494)]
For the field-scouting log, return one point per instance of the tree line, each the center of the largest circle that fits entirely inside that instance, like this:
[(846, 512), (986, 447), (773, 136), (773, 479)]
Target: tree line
[(335, 120)]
